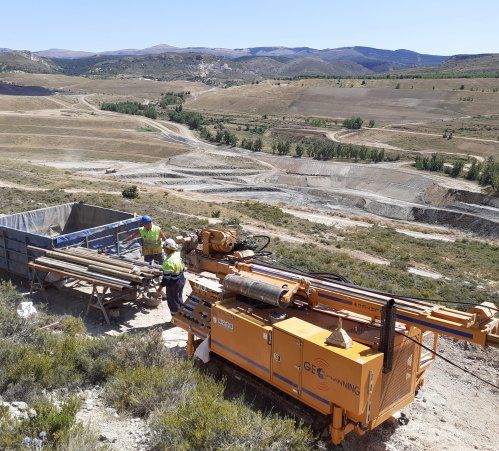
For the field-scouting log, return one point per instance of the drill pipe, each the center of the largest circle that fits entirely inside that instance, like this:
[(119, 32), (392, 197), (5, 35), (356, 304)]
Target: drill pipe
[(254, 289)]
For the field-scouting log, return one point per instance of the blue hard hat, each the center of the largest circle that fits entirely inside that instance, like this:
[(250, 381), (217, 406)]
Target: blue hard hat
[(146, 219)]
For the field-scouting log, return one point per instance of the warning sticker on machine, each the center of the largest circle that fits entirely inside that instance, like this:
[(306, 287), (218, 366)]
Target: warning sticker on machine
[(223, 323)]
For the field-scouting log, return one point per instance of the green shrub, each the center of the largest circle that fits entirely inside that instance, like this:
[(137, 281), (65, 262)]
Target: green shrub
[(140, 389), (55, 421), (72, 325), (353, 123), (131, 192), (263, 212), (206, 420), (12, 326)]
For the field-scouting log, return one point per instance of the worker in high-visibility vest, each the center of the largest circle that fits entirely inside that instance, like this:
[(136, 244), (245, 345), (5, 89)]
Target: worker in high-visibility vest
[(152, 237), (173, 276)]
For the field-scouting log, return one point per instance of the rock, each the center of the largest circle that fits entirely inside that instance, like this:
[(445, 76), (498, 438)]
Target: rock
[(103, 438), (443, 420), (19, 405)]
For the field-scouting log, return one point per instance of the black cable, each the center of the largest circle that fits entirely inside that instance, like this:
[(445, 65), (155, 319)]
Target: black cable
[(402, 298), (441, 301), (330, 275), (265, 245), (325, 276), (445, 359)]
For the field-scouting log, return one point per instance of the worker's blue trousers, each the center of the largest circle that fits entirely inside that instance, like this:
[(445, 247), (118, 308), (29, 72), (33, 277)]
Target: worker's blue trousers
[(174, 287)]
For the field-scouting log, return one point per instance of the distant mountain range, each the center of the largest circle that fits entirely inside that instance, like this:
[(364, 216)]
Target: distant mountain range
[(362, 55), (218, 65)]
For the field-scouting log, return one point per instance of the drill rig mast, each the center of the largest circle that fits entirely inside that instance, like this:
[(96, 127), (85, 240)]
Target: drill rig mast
[(348, 352)]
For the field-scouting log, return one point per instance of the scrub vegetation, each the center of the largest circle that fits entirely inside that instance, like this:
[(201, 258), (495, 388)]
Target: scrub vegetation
[(141, 377)]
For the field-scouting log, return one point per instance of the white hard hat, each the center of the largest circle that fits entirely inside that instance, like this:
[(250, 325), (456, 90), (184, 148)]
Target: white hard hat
[(170, 245)]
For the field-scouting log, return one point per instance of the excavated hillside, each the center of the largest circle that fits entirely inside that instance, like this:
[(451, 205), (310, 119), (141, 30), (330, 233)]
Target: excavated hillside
[(388, 190)]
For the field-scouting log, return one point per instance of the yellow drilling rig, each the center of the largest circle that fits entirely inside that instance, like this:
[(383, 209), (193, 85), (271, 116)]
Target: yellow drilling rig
[(355, 355)]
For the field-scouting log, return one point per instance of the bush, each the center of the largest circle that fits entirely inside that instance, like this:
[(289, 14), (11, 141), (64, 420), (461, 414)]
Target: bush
[(131, 192), (215, 213), (208, 421), (12, 326), (54, 421), (474, 171), (140, 389), (353, 123), (150, 112), (51, 361), (456, 169)]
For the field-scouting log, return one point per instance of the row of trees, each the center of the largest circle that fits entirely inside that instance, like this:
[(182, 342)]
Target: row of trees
[(434, 163), (191, 118), (226, 137), (485, 173), (249, 144), (134, 108), (327, 150), (281, 147)]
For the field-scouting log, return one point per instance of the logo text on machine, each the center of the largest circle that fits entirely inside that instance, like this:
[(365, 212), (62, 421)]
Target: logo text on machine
[(319, 367)]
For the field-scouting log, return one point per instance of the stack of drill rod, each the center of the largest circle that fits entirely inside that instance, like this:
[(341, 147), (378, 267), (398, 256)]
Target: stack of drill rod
[(90, 266)]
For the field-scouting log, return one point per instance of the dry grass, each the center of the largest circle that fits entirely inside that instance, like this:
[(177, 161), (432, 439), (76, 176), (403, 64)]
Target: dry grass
[(376, 99), (483, 127), (81, 136), (424, 143), (15, 103)]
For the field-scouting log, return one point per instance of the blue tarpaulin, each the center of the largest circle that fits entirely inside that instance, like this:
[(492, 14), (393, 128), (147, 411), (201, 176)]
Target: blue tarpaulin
[(67, 225)]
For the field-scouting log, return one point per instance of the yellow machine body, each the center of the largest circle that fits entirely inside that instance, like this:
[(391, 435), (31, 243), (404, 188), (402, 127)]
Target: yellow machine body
[(278, 328)]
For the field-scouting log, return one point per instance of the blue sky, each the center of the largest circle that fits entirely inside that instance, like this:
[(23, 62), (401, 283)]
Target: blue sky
[(439, 27)]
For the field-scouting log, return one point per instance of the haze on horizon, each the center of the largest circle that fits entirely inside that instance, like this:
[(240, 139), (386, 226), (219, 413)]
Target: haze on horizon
[(444, 28)]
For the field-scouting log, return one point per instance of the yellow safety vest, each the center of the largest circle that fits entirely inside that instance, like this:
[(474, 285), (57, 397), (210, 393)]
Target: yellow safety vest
[(151, 240), (173, 264)]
